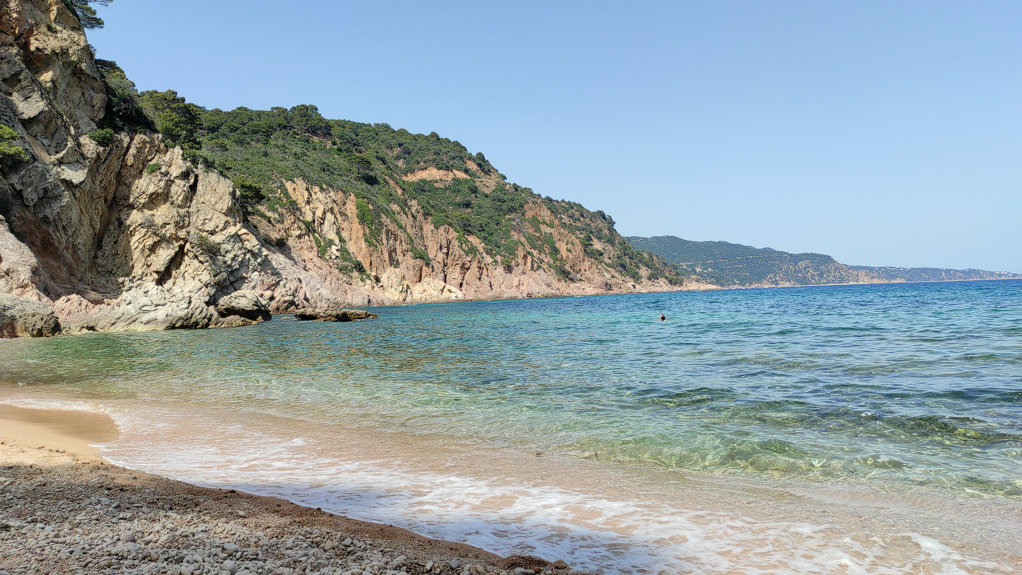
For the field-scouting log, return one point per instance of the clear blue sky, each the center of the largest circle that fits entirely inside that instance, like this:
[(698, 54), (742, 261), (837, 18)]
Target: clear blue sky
[(882, 133)]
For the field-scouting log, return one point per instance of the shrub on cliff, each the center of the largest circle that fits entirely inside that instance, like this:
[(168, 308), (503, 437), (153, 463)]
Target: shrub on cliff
[(102, 136), (123, 110), (250, 193), (7, 149), (175, 118), (86, 14)]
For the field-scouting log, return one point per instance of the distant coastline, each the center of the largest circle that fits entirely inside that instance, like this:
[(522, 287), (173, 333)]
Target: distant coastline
[(736, 265)]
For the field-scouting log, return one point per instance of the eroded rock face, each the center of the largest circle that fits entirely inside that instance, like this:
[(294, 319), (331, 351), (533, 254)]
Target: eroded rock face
[(49, 75), (20, 317), (456, 268), (19, 269)]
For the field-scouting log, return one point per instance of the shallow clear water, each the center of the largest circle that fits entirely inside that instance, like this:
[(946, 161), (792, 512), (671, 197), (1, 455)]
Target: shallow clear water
[(886, 389)]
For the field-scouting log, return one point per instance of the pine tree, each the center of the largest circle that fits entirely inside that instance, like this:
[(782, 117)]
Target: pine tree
[(86, 14)]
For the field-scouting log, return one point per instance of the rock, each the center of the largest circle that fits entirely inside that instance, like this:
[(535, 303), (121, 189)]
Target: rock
[(232, 321), (454, 564), (244, 303), (334, 315), (20, 317)]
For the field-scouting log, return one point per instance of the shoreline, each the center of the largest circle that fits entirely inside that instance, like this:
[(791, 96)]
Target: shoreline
[(672, 289), (772, 525), (64, 506), (701, 288), (496, 444)]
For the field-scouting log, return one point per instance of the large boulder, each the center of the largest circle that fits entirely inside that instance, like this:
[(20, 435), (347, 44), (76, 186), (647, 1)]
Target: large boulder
[(20, 317), (334, 315), (243, 303)]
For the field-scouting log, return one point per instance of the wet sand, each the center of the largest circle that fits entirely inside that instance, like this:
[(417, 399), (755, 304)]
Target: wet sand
[(74, 432), (63, 509)]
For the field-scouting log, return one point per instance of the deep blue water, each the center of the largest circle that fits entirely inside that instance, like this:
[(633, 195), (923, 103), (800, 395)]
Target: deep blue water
[(911, 383)]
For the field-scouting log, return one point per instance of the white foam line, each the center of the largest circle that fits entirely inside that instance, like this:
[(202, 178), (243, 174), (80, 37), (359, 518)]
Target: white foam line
[(589, 531)]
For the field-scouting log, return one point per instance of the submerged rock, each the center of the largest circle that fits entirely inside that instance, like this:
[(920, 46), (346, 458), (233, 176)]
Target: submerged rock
[(20, 317), (334, 315)]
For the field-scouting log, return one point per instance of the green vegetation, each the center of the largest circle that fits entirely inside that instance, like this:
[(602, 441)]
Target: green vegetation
[(102, 136), (893, 274), (260, 150), (728, 264), (124, 112), (348, 263), (323, 246), (205, 245), (177, 120), (153, 167), (252, 193), (86, 14), (679, 251), (7, 149), (461, 205)]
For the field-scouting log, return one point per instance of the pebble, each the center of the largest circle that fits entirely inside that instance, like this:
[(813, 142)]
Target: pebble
[(141, 531)]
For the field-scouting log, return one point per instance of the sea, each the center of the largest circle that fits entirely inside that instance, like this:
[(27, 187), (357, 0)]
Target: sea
[(841, 429)]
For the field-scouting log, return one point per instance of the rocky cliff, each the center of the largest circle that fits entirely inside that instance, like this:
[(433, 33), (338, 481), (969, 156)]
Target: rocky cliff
[(128, 232)]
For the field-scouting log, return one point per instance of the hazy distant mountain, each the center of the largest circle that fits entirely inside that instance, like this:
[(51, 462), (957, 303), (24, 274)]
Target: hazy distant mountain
[(732, 265), (934, 274)]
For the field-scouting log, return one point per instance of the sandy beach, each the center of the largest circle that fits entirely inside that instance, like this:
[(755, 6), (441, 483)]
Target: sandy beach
[(63, 509)]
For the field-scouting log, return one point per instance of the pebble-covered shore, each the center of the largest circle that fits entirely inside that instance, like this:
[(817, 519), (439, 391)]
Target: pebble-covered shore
[(64, 513)]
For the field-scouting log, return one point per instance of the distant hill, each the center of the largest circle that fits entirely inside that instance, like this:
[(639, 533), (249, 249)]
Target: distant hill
[(734, 265), (933, 274)]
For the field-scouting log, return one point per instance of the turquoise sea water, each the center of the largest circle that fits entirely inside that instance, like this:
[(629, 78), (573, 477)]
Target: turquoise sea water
[(889, 388)]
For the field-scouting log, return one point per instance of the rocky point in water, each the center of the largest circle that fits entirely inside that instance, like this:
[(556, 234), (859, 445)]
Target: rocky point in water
[(334, 315)]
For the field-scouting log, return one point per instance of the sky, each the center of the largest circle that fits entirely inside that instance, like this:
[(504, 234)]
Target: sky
[(881, 133)]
